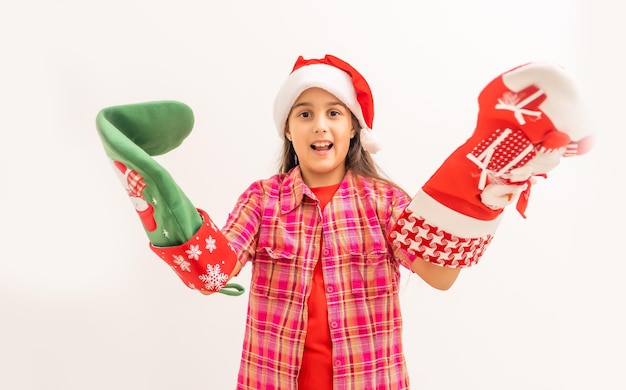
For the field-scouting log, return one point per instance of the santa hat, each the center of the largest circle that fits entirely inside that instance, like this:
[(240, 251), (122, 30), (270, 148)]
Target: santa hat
[(337, 77)]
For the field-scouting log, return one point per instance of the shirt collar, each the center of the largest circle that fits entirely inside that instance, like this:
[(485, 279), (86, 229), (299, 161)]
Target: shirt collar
[(293, 189)]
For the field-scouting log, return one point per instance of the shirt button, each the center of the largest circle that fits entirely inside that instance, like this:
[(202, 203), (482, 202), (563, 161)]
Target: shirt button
[(330, 289), (334, 324), (338, 363), (326, 252)]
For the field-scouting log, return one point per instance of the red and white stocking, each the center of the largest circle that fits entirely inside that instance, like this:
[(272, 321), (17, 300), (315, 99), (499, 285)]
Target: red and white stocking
[(529, 117)]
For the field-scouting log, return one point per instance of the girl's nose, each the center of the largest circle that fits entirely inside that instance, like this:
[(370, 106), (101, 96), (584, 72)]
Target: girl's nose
[(321, 126)]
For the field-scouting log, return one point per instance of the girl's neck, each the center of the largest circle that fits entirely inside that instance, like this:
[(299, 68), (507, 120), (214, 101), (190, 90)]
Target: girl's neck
[(314, 180)]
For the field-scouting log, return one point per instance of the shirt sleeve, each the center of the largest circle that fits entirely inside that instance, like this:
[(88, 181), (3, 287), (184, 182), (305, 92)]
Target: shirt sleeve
[(243, 223), (398, 201)]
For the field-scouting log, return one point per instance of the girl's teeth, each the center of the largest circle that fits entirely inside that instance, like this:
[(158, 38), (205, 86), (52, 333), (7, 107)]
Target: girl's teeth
[(321, 146)]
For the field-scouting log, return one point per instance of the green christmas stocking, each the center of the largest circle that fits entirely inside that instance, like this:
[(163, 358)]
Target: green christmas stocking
[(182, 235)]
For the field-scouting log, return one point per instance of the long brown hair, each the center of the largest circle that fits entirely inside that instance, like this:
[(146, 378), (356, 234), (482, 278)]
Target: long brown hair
[(358, 160)]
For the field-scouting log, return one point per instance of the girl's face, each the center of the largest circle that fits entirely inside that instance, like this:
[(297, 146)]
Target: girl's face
[(320, 128)]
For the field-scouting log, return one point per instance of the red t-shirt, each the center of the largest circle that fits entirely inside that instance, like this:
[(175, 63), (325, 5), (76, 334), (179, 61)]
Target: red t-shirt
[(316, 371)]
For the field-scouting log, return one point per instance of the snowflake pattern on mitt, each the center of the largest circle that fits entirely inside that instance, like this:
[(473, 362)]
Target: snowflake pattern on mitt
[(181, 262), (214, 279), (194, 252), (208, 268), (210, 244)]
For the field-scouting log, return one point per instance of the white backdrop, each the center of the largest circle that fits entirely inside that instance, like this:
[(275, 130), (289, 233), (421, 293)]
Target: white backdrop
[(84, 304)]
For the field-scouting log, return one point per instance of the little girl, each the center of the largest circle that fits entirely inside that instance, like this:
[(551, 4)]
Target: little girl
[(324, 310), (327, 235)]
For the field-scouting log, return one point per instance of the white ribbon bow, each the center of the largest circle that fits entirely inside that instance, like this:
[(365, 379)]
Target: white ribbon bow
[(509, 102)]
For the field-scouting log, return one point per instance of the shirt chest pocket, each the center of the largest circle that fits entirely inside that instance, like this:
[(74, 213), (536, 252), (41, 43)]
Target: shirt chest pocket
[(275, 274), (372, 275)]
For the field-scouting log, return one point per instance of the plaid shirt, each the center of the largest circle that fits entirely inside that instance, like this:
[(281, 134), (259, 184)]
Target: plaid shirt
[(278, 225)]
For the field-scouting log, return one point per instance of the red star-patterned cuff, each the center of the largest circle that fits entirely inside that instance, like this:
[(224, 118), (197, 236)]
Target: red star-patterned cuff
[(420, 239), (205, 262)]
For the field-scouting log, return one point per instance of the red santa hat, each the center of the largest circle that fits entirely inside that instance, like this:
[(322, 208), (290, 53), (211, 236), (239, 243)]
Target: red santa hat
[(337, 77)]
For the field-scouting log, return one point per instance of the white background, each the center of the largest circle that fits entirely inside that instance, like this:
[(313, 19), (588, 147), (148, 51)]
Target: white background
[(84, 304)]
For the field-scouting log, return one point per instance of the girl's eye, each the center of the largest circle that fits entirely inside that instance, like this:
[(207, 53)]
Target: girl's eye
[(334, 113), (304, 114)]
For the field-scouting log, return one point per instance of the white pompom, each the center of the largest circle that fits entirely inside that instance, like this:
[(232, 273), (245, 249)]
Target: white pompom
[(370, 141)]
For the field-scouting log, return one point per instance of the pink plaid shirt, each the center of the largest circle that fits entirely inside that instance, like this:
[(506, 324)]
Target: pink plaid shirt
[(278, 226)]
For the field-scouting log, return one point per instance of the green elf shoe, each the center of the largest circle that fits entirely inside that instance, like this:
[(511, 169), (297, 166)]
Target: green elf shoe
[(183, 236)]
